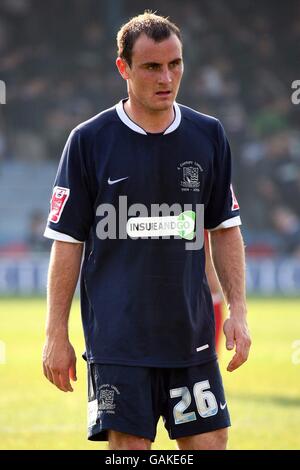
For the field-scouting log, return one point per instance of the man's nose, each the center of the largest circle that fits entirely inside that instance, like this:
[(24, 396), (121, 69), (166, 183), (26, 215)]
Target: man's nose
[(165, 75)]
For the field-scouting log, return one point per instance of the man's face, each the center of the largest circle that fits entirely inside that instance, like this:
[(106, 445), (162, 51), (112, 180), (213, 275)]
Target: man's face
[(155, 73)]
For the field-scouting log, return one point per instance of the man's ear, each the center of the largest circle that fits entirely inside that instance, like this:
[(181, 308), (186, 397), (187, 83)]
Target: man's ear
[(122, 67)]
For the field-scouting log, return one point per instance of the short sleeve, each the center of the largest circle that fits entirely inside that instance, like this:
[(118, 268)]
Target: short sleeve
[(222, 209), (70, 217)]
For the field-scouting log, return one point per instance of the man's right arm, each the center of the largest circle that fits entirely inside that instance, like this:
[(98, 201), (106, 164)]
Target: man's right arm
[(59, 359)]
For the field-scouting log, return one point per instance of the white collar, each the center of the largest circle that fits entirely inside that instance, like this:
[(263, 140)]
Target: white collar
[(129, 123)]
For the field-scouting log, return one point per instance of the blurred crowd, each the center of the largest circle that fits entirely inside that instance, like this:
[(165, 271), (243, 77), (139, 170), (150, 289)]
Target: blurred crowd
[(57, 60)]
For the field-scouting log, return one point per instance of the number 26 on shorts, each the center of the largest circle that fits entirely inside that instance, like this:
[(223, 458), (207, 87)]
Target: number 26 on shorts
[(205, 401)]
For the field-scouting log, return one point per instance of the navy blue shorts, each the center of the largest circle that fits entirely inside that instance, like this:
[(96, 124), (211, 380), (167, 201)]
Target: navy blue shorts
[(131, 400)]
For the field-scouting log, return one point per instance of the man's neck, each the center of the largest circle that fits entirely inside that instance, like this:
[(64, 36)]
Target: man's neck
[(153, 122)]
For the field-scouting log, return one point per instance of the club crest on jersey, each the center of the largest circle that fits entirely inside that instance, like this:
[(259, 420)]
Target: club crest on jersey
[(235, 205), (190, 172), (58, 201)]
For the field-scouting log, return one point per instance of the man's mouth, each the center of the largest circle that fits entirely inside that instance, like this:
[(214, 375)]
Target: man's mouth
[(163, 93)]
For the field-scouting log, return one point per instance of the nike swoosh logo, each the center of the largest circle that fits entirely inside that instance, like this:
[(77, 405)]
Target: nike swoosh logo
[(116, 181), (223, 406)]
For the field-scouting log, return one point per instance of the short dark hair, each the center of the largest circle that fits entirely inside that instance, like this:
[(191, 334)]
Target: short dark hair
[(154, 26)]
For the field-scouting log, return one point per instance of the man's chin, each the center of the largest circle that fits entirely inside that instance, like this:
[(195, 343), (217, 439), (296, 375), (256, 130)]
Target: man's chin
[(166, 106)]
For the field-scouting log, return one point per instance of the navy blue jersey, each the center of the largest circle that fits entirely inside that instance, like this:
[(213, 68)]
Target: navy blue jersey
[(145, 301)]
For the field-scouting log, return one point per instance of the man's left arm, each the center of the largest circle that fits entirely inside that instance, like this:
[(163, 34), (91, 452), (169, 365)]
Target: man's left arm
[(228, 254)]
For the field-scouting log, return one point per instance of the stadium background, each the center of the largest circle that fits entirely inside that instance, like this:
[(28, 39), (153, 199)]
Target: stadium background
[(57, 61)]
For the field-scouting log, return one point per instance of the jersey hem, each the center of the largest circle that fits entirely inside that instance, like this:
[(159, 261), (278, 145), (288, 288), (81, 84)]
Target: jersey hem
[(228, 223), (102, 360), (60, 236)]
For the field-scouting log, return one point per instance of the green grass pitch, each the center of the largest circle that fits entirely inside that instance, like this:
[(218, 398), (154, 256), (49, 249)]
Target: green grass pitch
[(263, 395)]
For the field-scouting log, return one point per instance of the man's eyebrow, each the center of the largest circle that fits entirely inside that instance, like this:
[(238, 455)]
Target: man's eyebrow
[(179, 59), (151, 63)]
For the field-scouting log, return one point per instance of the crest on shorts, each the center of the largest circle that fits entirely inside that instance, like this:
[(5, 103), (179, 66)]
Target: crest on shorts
[(58, 201), (107, 395)]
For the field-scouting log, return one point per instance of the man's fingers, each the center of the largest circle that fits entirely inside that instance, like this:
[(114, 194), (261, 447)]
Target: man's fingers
[(65, 381), (61, 380), (56, 380), (229, 344), (241, 355), (59, 364), (229, 334), (72, 372), (48, 374), (236, 362)]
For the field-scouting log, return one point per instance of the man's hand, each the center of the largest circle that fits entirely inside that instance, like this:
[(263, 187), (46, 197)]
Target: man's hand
[(228, 253), (59, 360), (59, 363), (237, 333)]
